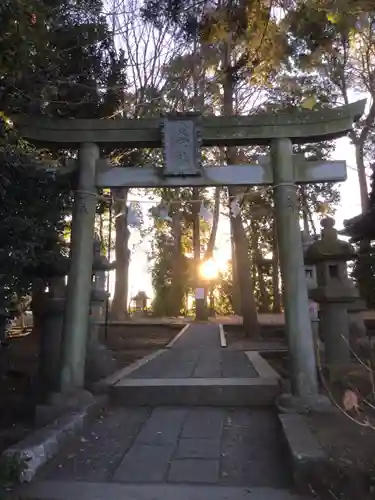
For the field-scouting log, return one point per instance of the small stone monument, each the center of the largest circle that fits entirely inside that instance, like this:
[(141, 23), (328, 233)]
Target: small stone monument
[(48, 314), (334, 291)]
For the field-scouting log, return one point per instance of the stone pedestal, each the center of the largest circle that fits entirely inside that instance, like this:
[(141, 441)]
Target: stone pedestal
[(100, 361), (50, 316), (334, 322), (98, 300), (287, 403)]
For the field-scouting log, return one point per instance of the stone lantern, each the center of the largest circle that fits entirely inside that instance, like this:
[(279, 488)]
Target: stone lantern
[(99, 295), (334, 291), (48, 313), (100, 362), (310, 275)]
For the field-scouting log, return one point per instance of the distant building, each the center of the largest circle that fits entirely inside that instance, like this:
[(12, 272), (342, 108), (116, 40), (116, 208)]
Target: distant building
[(139, 303)]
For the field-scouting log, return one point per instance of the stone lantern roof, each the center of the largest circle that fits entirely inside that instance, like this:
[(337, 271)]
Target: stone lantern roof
[(329, 247), (101, 263), (141, 295)]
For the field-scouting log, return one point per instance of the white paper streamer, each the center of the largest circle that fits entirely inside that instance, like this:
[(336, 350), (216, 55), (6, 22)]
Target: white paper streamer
[(205, 214), (133, 219), (235, 208), (163, 213)]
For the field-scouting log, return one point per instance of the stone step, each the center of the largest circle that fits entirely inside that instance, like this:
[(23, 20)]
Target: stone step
[(80, 490), (258, 391)]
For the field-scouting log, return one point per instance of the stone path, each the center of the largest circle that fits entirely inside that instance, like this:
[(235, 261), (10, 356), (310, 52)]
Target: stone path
[(197, 354), (184, 452)]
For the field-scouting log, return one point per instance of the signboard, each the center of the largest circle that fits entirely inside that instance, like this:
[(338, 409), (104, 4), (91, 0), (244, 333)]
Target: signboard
[(181, 147), (199, 293)]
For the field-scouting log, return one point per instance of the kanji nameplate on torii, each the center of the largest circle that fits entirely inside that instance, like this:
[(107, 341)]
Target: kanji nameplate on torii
[(181, 141)]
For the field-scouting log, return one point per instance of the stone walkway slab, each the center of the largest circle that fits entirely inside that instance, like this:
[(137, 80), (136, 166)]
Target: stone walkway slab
[(198, 336), (196, 392), (210, 363), (221, 446)]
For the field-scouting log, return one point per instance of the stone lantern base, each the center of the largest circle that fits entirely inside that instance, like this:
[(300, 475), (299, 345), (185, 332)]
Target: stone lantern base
[(287, 403), (343, 373), (100, 361)]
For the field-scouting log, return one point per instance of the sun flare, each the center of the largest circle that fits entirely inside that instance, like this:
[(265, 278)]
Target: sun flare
[(209, 269)]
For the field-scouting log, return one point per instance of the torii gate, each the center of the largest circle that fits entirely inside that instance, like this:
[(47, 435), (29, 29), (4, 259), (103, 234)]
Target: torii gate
[(182, 136)]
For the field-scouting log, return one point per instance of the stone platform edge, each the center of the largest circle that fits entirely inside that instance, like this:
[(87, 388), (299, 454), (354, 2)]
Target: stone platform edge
[(45, 443), (307, 457), (262, 367), (79, 490)]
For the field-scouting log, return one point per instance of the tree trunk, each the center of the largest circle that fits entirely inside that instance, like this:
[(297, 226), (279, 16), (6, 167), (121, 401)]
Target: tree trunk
[(361, 175), (176, 289), (248, 304), (215, 223), (37, 297), (236, 294), (276, 306), (259, 273), (253, 255), (244, 281), (200, 304), (119, 306), (264, 299)]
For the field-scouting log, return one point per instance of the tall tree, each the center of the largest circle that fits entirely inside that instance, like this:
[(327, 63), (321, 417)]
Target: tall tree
[(248, 44), (338, 42), (58, 60)]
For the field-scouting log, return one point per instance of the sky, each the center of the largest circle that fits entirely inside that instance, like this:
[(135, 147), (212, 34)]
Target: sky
[(349, 206)]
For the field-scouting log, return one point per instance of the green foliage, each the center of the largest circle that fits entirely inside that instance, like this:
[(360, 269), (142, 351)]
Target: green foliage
[(11, 469), (63, 63), (364, 266), (32, 205), (57, 59)]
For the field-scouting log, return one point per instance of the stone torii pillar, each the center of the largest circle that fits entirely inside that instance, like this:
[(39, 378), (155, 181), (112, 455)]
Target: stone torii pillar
[(297, 317), (76, 319)]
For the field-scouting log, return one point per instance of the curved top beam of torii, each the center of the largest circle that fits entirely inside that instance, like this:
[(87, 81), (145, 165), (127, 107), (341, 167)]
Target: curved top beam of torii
[(300, 126)]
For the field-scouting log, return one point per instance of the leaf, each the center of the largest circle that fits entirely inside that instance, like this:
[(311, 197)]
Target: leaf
[(309, 102), (322, 208), (333, 17), (350, 401)]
